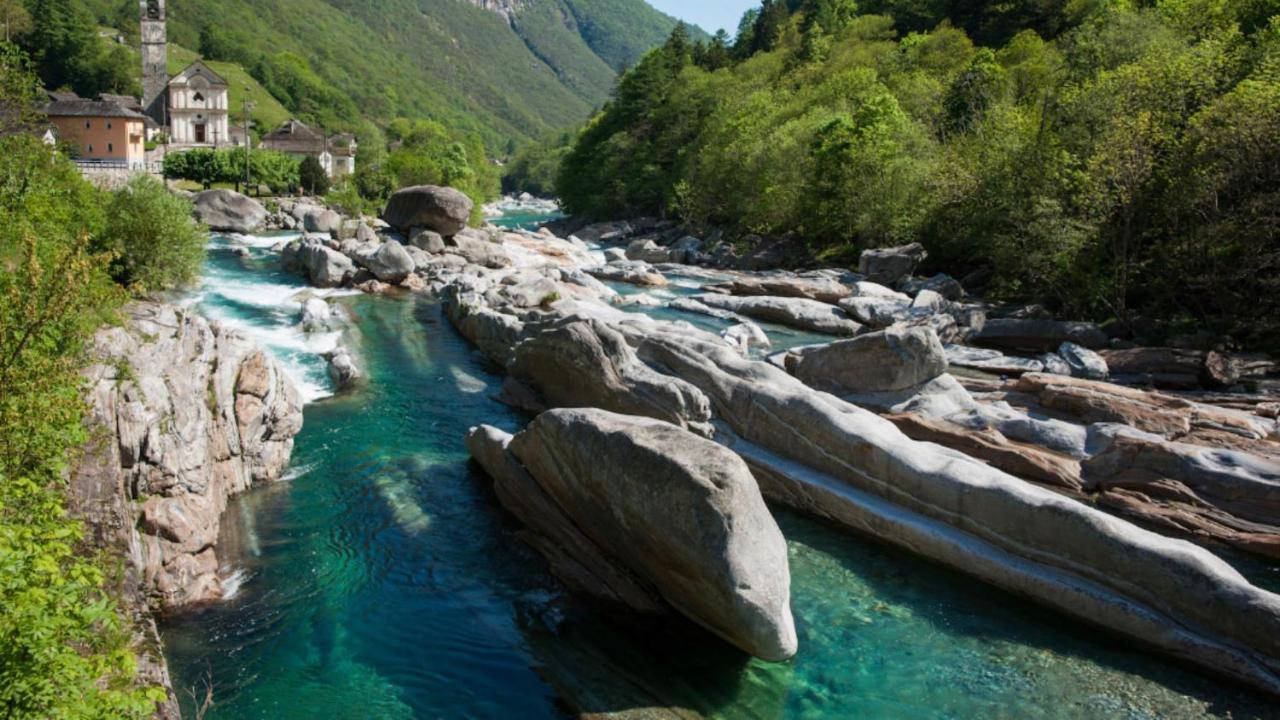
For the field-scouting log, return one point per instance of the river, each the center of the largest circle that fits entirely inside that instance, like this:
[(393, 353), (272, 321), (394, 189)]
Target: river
[(382, 580)]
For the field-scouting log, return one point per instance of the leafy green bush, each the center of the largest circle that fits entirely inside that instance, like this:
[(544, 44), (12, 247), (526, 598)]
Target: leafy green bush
[(276, 170), (156, 244)]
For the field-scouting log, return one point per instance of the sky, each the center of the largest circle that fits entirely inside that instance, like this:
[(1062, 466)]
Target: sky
[(711, 15)]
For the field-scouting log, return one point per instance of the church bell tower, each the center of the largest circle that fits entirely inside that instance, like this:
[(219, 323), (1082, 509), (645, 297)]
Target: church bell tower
[(155, 66)]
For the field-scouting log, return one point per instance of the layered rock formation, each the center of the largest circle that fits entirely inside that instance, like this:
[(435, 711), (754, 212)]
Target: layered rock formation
[(187, 415)]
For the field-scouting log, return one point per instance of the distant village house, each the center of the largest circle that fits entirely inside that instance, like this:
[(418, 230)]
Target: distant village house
[(337, 154)]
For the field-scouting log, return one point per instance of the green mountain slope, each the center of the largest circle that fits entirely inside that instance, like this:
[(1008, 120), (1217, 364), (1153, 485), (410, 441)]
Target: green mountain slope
[(341, 62)]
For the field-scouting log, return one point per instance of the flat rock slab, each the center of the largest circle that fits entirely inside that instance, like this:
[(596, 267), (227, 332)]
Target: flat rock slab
[(794, 312)]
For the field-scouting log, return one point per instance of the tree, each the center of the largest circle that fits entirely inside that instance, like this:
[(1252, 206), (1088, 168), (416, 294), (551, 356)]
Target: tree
[(150, 232), (203, 166), (20, 95), (16, 19), (312, 177)]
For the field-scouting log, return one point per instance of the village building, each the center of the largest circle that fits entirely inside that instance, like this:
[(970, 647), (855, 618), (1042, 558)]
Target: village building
[(99, 131), (337, 154)]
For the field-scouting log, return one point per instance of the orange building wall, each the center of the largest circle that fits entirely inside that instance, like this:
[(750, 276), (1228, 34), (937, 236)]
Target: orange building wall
[(123, 141)]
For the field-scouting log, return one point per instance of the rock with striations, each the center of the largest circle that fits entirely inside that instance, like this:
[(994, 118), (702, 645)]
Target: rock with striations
[(199, 415), (794, 312), (680, 514), (898, 358), (1084, 363), (585, 363), (890, 266), (1034, 335), (441, 209), (825, 456), (229, 211)]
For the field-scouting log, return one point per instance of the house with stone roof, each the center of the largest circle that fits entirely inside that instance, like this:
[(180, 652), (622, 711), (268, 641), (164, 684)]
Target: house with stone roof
[(101, 130), (337, 153)]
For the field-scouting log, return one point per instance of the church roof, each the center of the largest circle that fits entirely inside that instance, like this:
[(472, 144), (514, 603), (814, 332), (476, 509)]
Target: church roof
[(198, 68)]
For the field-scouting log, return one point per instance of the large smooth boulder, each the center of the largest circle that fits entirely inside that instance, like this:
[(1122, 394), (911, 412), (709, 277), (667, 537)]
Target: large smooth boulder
[(229, 211), (441, 209), (390, 263), (1034, 335), (322, 220), (889, 266), (682, 514), (876, 311), (894, 359), (794, 312)]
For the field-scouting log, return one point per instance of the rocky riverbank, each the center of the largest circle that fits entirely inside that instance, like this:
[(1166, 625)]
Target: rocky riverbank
[(184, 415), (1053, 459)]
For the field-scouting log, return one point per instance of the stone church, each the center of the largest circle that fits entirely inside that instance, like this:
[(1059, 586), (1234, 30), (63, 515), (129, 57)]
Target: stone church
[(193, 105)]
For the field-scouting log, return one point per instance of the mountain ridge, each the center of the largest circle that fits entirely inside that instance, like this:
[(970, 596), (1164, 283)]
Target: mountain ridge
[(505, 70)]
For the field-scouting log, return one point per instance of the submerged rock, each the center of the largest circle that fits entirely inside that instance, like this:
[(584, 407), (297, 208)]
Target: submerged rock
[(616, 482)]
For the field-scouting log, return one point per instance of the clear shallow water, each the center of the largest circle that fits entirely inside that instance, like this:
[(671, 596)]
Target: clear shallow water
[(381, 580)]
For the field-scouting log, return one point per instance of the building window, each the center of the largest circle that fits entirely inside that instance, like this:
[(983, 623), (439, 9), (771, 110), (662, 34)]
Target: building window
[(90, 149), (111, 147), (108, 124), (86, 124), (198, 98)]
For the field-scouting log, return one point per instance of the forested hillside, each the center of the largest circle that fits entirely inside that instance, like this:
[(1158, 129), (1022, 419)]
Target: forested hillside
[(341, 63), (1115, 159)]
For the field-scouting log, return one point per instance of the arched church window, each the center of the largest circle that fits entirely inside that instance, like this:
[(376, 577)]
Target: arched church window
[(199, 97)]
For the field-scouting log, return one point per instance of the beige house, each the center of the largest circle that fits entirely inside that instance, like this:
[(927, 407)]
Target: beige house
[(99, 130)]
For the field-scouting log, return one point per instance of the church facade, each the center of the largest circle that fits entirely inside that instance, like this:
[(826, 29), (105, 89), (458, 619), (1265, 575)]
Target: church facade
[(198, 112)]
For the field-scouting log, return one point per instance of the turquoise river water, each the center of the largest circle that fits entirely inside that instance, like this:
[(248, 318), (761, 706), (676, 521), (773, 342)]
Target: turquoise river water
[(382, 580)]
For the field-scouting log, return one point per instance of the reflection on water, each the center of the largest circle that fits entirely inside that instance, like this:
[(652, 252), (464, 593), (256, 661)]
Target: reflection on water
[(381, 580)]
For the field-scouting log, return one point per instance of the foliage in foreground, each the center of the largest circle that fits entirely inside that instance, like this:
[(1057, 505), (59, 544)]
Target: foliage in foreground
[(63, 650), (1114, 159), (150, 233)]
